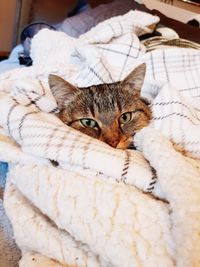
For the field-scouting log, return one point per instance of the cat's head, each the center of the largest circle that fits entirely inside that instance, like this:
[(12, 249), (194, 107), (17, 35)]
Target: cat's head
[(112, 113)]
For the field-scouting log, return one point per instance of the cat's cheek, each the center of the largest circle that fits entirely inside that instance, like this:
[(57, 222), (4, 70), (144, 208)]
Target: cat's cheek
[(91, 132), (62, 116)]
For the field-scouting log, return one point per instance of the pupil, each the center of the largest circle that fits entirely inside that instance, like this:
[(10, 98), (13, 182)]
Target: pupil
[(124, 117), (88, 122)]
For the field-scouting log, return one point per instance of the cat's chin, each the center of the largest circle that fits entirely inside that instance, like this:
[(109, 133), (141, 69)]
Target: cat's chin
[(131, 146), (126, 145)]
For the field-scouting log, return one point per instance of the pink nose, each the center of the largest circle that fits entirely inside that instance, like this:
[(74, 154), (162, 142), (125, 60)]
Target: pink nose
[(110, 142), (112, 138)]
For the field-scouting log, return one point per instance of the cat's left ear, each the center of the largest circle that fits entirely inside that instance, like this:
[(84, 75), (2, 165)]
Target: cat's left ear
[(135, 79), (62, 90)]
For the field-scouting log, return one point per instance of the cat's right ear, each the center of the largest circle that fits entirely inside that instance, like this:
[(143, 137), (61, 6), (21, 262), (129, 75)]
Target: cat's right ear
[(136, 79), (62, 90)]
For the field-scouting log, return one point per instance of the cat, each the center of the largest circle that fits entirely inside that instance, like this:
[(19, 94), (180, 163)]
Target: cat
[(112, 113)]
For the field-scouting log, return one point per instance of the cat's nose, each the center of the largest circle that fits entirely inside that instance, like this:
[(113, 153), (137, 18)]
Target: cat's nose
[(114, 144), (111, 138)]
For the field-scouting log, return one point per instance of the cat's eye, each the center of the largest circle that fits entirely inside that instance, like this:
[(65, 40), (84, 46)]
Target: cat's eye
[(89, 123), (125, 117)]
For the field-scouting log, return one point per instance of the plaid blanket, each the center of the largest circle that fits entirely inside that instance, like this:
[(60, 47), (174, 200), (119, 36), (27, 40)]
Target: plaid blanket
[(94, 209)]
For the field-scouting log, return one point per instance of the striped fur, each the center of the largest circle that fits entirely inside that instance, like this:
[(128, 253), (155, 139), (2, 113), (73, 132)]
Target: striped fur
[(115, 111)]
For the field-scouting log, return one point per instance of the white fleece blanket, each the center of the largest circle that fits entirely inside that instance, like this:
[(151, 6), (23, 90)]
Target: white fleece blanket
[(102, 206)]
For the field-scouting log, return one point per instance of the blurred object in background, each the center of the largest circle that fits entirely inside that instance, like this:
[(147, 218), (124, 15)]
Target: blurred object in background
[(168, 1), (176, 9), (194, 21)]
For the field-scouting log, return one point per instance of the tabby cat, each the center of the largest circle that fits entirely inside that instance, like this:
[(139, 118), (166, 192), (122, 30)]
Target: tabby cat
[(112, 113)]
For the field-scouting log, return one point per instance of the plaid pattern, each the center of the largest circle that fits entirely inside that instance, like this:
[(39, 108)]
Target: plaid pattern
[(175, 109), (107, 53), (172, 84), (47, 137), (104, 57), (90, 61)]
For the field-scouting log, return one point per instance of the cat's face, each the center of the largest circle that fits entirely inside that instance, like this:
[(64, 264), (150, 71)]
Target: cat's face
[(112, 113)]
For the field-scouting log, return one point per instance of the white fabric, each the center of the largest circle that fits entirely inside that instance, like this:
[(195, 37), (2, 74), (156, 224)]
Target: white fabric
[(94, 210)]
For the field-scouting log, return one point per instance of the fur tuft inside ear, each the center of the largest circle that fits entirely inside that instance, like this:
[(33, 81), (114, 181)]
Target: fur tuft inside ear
[(135, 79), (62, 90)]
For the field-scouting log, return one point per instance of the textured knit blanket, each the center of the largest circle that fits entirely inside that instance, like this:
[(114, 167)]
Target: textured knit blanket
[(102, 206)]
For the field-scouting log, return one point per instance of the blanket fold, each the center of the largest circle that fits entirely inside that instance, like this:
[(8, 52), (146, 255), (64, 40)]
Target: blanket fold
[(110, 207), (181, 183), (103, 207)]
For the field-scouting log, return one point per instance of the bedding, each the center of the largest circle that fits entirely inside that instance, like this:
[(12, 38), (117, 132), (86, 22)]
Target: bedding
[(80, 23), (75, 25), (102, 206)]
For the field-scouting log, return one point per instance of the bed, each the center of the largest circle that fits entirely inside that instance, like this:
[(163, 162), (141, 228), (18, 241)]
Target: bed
[(102, 206), (38, 11)]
